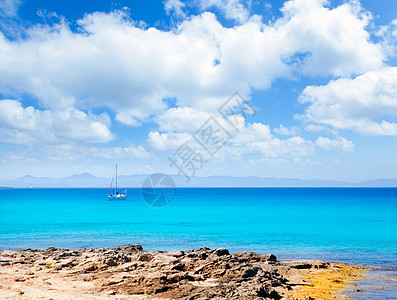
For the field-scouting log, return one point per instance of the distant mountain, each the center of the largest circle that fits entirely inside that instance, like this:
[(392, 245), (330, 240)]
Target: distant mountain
[(89, 180), (379, 183)]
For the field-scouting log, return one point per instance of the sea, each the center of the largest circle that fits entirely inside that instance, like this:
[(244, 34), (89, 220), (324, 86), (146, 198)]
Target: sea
[(351, 225)]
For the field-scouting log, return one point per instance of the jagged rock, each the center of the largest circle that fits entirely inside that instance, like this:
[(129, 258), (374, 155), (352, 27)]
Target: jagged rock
[(145, 257), (255, 257), (175, 253), (307, 264), (221, 252), (195, 274)]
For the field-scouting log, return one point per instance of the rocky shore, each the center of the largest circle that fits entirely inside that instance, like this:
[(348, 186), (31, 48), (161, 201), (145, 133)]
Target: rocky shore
[(130, 272)]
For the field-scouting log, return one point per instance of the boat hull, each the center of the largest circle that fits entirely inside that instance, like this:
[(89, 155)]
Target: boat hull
[(117, 197)]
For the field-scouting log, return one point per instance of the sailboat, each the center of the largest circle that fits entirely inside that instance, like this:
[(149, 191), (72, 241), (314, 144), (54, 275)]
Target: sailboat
[(116, 195)]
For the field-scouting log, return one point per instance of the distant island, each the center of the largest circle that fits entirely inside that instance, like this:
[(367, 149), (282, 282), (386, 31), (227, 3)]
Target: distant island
[(90, 181)]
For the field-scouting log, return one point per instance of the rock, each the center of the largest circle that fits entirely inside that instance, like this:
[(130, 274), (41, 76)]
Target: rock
[(201, 253), (268, 258), (129, 249), (90, 268), (175, 253), (20, 279), (255, 257), (178, 267), (249, 272), (221, 252), (248, 255), (194, 274), (266, 292), (145, 257), (111, 263), (307, 264)]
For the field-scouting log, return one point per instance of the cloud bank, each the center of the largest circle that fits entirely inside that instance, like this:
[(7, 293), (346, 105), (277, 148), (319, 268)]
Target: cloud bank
[(112, 62)]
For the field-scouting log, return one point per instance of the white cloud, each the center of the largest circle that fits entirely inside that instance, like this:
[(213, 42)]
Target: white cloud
[(294, 130), (112, 61), (339, 144), (75, 151), (181, 119), (231, 9), (364, 104), (250, 133), (128, 118), (119, 152), (9, 8), (246, 140), (328, 41), (388, 35), (275, 148), (167, 141), (175, 7), (28, 125)]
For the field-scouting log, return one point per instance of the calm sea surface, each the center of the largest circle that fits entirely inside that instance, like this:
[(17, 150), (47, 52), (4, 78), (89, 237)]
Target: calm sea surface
[(355, 225)]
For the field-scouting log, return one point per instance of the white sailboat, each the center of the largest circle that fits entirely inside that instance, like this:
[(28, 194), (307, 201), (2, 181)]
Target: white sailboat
[(116, 195)]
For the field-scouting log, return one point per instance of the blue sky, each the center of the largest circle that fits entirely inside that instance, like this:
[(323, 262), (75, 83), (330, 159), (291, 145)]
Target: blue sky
[(86, 84)]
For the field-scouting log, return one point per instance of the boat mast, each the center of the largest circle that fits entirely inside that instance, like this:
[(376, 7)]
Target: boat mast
[(111, 183), (115, 190)]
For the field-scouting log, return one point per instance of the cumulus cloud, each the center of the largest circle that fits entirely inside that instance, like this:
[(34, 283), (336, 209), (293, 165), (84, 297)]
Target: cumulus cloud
[(364, 104), (9, 8), (329, 41), (175, 7), (28, 125), (231, 9), (388, 36), (181, 119), (167, 141), (275, 148), (246, 139), (294, 130), (339, 144), (112, 61)]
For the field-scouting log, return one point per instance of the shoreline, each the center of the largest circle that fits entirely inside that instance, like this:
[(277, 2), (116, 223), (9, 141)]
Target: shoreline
[(130, 272)]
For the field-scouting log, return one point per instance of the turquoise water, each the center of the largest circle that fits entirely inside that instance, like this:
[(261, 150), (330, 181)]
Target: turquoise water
[(356, 225)]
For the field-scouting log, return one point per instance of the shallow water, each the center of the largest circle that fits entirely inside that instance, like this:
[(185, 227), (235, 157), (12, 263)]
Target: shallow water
[(354, 225)]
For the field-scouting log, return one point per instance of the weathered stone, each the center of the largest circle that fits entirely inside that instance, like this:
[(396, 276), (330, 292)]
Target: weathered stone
[(145, 257), (194, 274), (175, 253), (221, 252)]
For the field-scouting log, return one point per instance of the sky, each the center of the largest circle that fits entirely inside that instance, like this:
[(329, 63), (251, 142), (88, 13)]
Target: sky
[(299, 88)]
